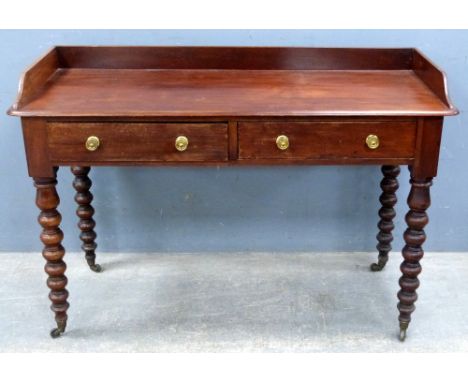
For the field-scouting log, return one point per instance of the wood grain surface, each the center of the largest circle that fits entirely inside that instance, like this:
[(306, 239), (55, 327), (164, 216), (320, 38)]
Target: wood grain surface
[(232, 103), (133, 142), (186, 93), (309, 140)]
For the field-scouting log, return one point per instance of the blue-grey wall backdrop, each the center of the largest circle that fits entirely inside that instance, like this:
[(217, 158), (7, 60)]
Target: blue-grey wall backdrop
[(232, 209)]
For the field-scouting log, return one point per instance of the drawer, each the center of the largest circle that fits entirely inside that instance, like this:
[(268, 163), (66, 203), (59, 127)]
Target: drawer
[(137, 142), (326, 140)]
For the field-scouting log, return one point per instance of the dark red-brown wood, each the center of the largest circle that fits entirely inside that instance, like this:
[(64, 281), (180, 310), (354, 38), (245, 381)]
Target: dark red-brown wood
[(48, 200), (309, 140), (418, 202), (225, 93), (135, 142), (213, 57), (232, 103), (388, 199), (85, 211), (224, 81)]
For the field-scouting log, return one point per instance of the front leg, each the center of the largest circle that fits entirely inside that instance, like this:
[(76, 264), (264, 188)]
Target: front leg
[(85, 212), (388, 199), (418, 202), (47, 200)]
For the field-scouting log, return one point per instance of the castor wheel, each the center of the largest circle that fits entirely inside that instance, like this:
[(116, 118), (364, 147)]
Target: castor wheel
[(96, 268), (403, 329), (57, 332), (377, 267), (402, 335)]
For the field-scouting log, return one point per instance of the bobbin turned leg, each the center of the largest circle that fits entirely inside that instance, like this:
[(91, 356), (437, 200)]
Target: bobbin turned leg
[(416, 218), (388, 199), (47, 200), (85, 212)]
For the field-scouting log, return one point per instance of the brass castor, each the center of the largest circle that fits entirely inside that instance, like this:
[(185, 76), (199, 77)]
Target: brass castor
[(377, 267), (402, 335), (403, 329), (96, 268), (57, 332)]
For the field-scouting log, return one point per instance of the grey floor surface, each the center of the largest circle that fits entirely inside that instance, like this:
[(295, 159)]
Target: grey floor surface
[(234, 302)]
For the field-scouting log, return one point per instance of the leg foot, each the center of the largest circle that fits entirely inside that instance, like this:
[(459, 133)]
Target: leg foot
[(96, 268), (376, 267), (403, 329), (57, 332), (388, 199), (85, 211), (416, 219)]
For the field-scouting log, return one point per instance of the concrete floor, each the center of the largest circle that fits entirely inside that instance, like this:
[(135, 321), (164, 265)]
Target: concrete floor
[(231, 302)]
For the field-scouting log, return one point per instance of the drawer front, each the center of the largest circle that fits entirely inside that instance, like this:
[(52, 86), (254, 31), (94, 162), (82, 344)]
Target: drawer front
[(326, 140), (138, 142)]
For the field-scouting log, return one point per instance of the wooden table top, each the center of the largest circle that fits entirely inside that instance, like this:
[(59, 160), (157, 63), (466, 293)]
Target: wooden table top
[(130, 92), (232, 82)]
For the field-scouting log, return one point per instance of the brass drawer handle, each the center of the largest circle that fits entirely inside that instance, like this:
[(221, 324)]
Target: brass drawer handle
[(372, 141), (92, 143), (181, 143), (282, 141)]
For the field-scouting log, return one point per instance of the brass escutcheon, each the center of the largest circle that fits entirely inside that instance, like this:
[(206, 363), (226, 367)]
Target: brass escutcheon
[(372, 141), (282, 141), (92, 143), (181, 143)]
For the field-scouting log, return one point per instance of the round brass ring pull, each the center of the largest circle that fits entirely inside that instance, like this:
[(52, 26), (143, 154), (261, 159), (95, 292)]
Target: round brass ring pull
[(92, 143), (282, 142), (181, 143), (372, 141)]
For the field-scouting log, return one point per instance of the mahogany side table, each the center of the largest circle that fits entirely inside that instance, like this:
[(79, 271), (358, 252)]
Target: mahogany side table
[(115, 106)]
